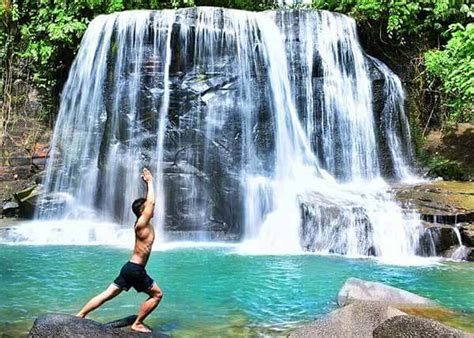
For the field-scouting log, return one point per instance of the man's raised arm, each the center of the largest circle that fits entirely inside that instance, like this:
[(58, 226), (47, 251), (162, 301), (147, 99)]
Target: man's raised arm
[(149, 205)]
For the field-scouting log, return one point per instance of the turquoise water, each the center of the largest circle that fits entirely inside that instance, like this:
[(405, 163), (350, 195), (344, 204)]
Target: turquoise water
[(207, 291)]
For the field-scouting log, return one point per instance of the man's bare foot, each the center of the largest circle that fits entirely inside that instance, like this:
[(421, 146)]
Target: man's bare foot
[(80, 315), (140, 328)]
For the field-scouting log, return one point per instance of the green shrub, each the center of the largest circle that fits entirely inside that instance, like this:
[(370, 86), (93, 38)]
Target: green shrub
[(453, 67), (439, 166)]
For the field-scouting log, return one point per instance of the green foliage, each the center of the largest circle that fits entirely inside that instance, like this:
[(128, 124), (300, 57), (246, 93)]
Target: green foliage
[(45, 35), (401, 19), (439, 166), (454, 68)]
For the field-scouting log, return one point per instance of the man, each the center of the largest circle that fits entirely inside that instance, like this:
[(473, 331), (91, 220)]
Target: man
[(133, 273)]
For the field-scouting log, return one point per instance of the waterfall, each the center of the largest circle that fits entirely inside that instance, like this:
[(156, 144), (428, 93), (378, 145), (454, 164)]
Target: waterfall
[(258, 126), (395, 124)]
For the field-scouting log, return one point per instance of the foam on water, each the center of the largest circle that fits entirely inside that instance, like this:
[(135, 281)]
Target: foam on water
[(68, 232), (94, 232)]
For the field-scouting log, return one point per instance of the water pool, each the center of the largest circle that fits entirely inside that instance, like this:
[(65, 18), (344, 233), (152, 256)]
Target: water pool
[(207, 291)]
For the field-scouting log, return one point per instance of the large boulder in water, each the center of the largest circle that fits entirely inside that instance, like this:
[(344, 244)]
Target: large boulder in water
[(59, 325), (358, 319), (372, 309), (355, 289), (412, 326)]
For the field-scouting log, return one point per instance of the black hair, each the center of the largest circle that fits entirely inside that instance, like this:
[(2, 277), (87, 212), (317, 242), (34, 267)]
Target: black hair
[(137, 206)]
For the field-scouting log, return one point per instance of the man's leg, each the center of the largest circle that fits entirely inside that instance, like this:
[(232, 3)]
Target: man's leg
[(111, 292), (148, 306)]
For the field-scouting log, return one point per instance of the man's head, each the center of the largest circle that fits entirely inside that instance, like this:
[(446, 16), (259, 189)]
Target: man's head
[(138, 206)]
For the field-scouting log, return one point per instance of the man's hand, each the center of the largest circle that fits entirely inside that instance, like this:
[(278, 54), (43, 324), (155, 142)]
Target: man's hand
[(146, 176)]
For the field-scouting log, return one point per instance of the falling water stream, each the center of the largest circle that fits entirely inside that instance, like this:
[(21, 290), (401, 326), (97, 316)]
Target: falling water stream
[(262, 125)]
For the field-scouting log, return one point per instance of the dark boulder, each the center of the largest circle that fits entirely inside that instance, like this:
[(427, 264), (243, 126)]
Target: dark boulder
[(59, 325), (27, 200), (467, 234), (447, 211), (10, 209)]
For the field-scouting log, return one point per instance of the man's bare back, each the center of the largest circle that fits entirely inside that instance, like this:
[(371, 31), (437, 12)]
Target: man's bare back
[(133, 273)]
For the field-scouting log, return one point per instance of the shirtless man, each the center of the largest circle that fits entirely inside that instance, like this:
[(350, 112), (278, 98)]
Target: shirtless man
[(133, 273)]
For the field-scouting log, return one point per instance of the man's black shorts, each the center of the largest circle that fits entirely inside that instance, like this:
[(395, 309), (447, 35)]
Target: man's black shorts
[(133, 274)]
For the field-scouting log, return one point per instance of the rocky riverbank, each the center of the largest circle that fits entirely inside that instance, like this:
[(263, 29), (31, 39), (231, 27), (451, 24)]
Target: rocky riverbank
[(371, 309)]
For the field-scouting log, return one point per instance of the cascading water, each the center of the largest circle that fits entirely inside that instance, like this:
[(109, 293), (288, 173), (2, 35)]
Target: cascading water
[(461, 252), (395, 124), (260, 125)]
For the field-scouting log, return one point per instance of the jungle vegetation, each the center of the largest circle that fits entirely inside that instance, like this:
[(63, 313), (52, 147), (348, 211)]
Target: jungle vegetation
[(435, 38)]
